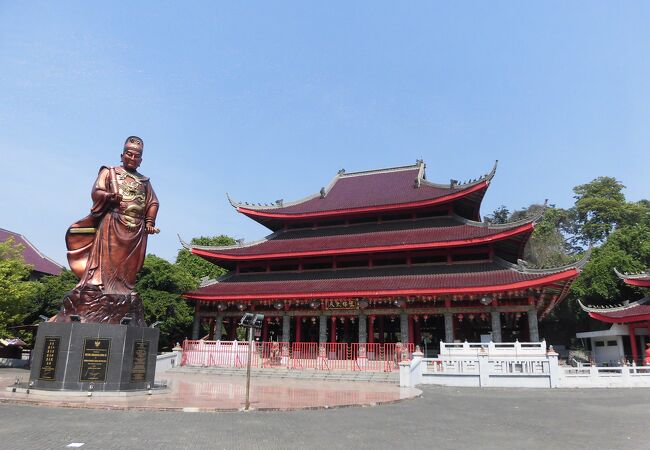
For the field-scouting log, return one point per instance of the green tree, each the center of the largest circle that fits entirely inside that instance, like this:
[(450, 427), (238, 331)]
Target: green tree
[(199, 267), (599, 208), (160, 285), (48, 295), (499, 215), (15, 288), (628, 250)]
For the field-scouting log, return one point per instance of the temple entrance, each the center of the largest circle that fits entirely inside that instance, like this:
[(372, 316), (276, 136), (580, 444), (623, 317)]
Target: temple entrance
[(514, 326), (471, 326), (386, 329), (432, 331), (304, 329), (272, 330), (343, 329)]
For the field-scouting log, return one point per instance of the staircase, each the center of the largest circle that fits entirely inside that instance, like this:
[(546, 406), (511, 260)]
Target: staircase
[(334, 375)]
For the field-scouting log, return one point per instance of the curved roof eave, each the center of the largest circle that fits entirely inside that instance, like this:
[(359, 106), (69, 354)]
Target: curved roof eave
[(634, 279), (265, 210), (612, 308), (551, 278), (392, 207), (521, 267), (517, 228)]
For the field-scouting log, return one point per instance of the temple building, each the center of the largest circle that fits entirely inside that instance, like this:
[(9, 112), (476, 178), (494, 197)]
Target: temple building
[(41, 264), (630, 330), (382, 256)]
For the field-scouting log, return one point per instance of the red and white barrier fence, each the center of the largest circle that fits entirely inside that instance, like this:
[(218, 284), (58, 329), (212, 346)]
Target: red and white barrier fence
[(297, 355)]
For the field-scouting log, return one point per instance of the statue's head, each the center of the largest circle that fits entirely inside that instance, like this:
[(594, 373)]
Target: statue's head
[(132, 153)]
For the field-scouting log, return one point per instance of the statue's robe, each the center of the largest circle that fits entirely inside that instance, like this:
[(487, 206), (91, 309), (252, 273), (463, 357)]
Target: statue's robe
[(107, 248)]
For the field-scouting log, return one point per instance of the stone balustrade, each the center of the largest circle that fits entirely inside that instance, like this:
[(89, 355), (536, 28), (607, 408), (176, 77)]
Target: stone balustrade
[(517, 365)]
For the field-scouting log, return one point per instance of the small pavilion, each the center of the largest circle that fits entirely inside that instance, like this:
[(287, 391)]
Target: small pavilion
[(634, 316)]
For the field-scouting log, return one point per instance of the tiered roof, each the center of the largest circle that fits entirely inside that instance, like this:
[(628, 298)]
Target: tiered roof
[(32, 255), (384, 190), (438, 217), (430, 279), (636, 279), (419, 234), (628, 312)]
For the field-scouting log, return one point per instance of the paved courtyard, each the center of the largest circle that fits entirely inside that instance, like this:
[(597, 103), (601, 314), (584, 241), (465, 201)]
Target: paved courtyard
[(444, 418)]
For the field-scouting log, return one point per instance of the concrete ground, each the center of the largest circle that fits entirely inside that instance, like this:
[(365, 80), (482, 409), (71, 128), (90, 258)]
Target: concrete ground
[(443, 418), (209, 392)]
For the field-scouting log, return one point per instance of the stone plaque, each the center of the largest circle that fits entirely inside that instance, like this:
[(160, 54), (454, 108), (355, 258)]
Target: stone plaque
[(94, 360), (49, 358), (140, 359)]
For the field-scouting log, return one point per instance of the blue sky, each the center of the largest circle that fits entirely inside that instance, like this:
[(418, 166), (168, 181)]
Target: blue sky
[(268, 100)]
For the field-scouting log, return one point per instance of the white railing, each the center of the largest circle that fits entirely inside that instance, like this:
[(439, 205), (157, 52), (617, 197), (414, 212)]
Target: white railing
[(493, 349), (622, 376), (518, 365)]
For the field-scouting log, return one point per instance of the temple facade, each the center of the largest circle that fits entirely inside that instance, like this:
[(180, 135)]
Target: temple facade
[(381, 256)]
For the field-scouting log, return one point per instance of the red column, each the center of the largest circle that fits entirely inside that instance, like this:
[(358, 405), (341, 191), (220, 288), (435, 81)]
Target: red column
[(635, 351), (371, 330), (298, 326), (411, 329), (265, 330), (333, 329)]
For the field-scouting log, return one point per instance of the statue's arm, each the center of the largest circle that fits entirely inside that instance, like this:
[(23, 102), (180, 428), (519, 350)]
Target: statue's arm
[(152, 209), (102, 194)]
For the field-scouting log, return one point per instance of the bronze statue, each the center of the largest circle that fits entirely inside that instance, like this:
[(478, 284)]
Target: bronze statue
[(106, 249)]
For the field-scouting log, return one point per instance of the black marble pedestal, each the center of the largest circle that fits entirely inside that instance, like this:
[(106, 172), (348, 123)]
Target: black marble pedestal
[(76, 356)]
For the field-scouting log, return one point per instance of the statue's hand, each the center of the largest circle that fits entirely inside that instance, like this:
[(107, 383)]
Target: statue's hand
[(150, 229), (116, 198)]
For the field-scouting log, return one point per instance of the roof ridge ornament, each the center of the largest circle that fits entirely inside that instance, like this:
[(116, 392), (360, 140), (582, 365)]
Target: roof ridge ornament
[(613, 308), (322, 192), (183, 243), (578, 265), (626, 275)]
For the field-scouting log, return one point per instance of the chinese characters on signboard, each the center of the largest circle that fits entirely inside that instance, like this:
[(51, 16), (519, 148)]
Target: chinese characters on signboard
[(50, 356), (341, 304)]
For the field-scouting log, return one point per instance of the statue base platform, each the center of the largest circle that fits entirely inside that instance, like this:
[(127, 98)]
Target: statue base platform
[(93, 357)]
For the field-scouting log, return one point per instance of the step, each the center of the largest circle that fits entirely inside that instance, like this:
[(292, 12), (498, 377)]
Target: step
[(338, 375)]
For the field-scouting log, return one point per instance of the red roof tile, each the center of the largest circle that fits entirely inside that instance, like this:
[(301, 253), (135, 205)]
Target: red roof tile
[(377, 188), (32, 256), (633, 312), (424, 233), (425, 279), (637, 279)]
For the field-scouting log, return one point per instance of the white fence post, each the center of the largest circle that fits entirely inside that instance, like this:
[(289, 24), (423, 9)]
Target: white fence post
[(626, 380), (405, 374), (416, 367), (483, 368), (178, 355), (553, 367)]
